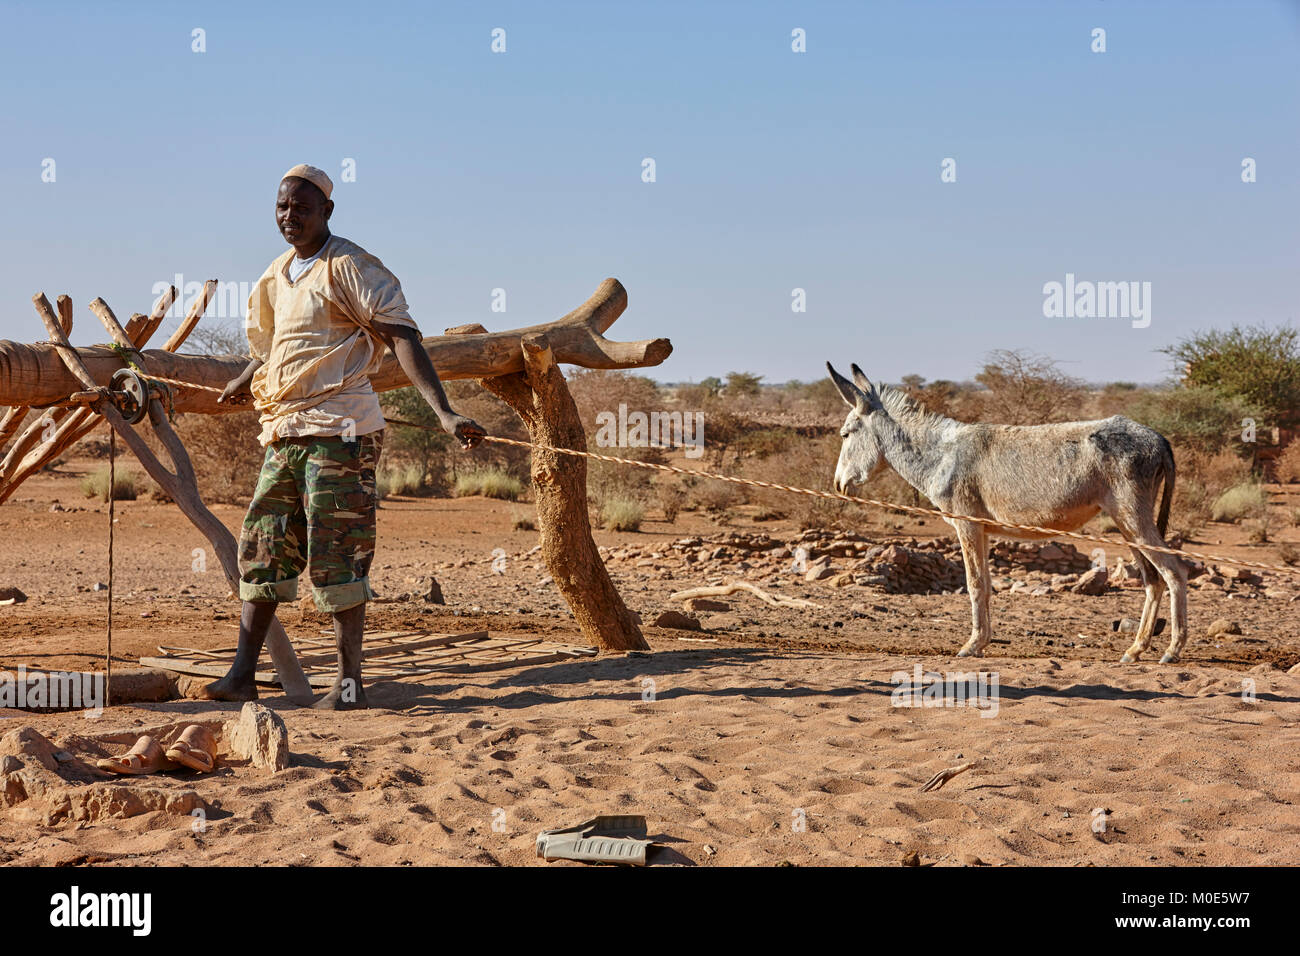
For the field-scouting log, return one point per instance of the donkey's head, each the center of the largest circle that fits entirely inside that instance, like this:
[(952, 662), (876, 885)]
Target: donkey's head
[(860, 455)]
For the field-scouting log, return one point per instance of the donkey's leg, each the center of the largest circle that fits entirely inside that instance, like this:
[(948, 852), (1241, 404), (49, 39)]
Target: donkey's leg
[(975, 555), (1174, 571), (1155, 589)]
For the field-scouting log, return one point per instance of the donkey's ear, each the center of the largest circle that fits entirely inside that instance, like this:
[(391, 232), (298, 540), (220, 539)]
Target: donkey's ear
[(852, 395), (863, 383)]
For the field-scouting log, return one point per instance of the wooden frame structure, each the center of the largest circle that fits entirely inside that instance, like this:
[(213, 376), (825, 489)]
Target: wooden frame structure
[(521, 367)]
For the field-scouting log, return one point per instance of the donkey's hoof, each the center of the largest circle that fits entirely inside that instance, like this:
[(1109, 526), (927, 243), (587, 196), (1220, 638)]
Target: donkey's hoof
[(1169, 659), (970, 652), (1128, 658)]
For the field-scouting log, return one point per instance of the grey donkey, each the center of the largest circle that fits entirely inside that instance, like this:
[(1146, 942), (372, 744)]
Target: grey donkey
[(1052, 476)]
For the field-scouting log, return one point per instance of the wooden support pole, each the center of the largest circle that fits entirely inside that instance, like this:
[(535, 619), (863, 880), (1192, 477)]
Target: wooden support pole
[(541, 398), (182, 487)]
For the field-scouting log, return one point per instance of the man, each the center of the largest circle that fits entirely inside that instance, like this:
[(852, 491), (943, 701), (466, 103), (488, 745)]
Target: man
[(318, 321)]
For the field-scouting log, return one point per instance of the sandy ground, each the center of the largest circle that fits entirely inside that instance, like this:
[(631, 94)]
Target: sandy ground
[(774, 740)]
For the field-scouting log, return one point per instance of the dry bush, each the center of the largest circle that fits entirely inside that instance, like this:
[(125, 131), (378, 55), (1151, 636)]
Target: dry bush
[(1027, 389), (1247, 500), (670, 496), (1288, 463), (1114, 399), (807, 463), (126, 484), (1201, 478), (622, 514), (225, 452)]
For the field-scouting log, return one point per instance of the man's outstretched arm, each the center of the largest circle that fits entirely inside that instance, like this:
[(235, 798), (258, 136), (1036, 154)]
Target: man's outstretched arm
[(406, 344)]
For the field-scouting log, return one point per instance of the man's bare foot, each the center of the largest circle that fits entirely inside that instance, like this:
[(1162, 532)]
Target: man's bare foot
[(228, 689), (145, 757)]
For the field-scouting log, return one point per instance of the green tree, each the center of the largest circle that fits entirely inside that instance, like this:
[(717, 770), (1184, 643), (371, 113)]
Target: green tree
[(743, 384), (1259, 365)]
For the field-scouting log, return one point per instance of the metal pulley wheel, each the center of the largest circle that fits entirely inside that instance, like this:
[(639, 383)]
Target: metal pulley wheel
[(129, 393)]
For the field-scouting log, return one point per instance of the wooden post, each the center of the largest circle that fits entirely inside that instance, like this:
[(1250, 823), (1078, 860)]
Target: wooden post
[(541, 398)]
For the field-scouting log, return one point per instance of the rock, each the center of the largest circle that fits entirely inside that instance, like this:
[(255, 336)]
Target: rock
[(1051, 552), (970, 859), (260, 736), (1222, 626), (707, 604), (12, 594), (912, 859), (819, 573), (1093, 582), (841, 580), (27, 742), (1125, 625), (677, 620), (434, 594)]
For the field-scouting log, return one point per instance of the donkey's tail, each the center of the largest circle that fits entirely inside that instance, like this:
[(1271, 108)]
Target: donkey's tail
[(1167, 496)]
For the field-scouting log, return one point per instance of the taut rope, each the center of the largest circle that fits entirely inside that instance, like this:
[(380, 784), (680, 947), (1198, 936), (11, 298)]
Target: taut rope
[(832, 495)]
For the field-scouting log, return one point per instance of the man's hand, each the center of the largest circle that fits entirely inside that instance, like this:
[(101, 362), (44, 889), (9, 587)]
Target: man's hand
[(236, 392), (467, 431)]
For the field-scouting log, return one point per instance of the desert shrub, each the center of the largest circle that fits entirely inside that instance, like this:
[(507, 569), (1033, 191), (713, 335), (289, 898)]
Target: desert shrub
[(942, 396), (743, 385), (490, 483), (1248, 500), (1027, 389), (1115, 398), (1199, 418), (762, 442), (1201, 478), (716, 497), (1288, 463), (670, 496), (1257, 365), (225, 452), (406, 479), (125, 484), (622, 514), (808, 463)]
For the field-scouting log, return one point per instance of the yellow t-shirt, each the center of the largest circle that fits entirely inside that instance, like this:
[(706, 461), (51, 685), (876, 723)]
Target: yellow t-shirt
[(317, 342)]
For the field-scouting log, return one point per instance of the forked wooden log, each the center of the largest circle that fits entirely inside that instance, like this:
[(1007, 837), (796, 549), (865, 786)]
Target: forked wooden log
[(81, 421), (541, 398), (13, 418), (180, 485), (43, 439), (33, 375)]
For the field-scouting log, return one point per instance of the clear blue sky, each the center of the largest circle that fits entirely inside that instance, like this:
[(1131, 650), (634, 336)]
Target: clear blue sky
[(775, 170)]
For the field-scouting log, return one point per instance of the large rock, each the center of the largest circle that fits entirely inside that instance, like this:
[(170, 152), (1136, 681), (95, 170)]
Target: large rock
[(1222, 626), (1092, 582), (260, 736), (28, 743), (678, 620), (707, 604)]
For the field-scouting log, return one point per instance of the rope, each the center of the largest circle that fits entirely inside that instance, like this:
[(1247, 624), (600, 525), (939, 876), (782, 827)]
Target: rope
[(836, 496), (112, 499)]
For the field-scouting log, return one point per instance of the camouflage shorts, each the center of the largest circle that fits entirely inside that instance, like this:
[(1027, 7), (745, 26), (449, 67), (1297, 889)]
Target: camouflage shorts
[(314, 508)]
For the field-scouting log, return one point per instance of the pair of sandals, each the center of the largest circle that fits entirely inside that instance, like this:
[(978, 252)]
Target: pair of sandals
[(195, 749)]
